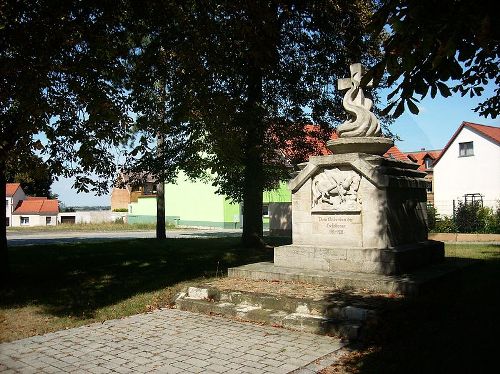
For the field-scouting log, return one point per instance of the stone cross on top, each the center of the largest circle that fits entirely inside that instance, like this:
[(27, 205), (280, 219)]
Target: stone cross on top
[(357, 73), (362, 122)]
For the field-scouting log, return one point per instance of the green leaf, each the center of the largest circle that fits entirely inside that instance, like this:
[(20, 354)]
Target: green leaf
[(399, 109), (412, 106), (443, 89)]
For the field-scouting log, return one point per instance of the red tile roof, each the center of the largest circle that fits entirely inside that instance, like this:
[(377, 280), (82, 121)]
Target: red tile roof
[(420, 156), (11, 188), (490, 132), (35, 198), (37, 206), (396, 154)]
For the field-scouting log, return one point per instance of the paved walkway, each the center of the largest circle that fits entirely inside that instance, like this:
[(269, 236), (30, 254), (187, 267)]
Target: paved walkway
[(170, 341)]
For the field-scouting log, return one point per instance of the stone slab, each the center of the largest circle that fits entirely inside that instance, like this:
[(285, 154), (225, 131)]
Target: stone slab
[(370, 145), (397, 260), (406, 284)]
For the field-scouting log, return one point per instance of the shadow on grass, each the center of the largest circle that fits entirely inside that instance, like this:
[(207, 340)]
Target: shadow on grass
[(450, 330), (78, 279)]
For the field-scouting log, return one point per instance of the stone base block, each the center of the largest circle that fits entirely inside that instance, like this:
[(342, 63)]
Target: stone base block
[(398, 260), (415, 283)]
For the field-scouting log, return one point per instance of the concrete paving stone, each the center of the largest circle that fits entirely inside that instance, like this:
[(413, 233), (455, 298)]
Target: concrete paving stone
[(215, 368), (271, 362), (167, 369), (193, 361), (251, 370), (257, 365), (248, 357)]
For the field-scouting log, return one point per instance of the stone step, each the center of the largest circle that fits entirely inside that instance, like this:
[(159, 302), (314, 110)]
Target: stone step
[(337, 309), (406, 284), (345, 321)]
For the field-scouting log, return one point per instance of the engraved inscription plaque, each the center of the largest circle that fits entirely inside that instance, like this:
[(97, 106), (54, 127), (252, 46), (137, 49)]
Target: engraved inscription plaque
[(338, 229)]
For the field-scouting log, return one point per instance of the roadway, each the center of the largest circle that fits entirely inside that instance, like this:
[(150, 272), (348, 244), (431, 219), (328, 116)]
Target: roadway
[(27, 237)]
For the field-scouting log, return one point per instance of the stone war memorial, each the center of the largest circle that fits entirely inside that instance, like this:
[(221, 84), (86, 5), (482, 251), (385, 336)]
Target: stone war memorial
[(355, 210), (359, 224)]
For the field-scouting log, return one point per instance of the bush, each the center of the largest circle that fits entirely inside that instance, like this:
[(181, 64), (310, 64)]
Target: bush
[(445, 224), (470, 218), (467, 217), (120, 210), (431, 217), (490, 220)]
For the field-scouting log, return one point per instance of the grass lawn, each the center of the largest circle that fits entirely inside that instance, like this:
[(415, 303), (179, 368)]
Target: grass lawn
[(452, 330), (61, 286), (103, 226)]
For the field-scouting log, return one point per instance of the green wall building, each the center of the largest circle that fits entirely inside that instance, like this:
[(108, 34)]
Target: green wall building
[(195, 203)]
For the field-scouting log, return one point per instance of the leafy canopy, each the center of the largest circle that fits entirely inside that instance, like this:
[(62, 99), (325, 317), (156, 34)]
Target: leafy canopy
[(439, 46)]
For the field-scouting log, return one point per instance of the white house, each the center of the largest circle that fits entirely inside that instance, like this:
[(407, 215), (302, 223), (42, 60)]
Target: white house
[(468, 168), (14, 194), (25, 210)]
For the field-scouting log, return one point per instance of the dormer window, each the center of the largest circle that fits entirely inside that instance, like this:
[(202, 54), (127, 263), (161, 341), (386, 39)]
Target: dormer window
[(428, 163), (466, 149)]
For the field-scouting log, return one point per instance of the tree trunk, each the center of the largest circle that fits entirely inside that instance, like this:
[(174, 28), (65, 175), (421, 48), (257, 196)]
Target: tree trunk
[(253, 162), (160, 211), (4, 253), (160, 199)]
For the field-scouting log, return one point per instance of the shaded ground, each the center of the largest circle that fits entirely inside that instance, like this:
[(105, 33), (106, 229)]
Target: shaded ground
[(59, 286), (452, 330)]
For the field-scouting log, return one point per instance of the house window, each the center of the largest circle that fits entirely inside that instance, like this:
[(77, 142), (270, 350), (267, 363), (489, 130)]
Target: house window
[(265, 210), (466, 149), (25, 220), (428, 163), (48, 220), (429, 186), (7, 202)]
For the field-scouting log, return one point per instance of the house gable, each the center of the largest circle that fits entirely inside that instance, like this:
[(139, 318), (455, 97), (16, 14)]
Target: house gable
[(469, 164)]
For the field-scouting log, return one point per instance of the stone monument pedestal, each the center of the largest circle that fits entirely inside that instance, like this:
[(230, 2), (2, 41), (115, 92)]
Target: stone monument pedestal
[(359, 220), (359, 212)]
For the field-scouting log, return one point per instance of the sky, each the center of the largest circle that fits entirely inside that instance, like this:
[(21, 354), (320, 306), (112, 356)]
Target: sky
[(431, 129)]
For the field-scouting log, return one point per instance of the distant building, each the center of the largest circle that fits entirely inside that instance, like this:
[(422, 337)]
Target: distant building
[(468, 168), (25, 210), (425, 160), (128, 191), (14, 194)]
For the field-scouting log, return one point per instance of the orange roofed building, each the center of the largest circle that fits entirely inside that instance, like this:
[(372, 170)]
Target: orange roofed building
[(425, 160), (22, 210)]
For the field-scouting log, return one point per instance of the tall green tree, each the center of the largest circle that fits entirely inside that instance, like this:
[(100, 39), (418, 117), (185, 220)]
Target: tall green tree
[(31, 171), (60, 68), (167, 137), (267, 68), (439, 47)]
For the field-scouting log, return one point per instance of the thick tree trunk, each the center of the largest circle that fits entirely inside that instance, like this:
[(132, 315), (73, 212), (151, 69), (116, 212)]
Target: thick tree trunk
[(253, 162), (160, 199), (4, 253), (160, 211)]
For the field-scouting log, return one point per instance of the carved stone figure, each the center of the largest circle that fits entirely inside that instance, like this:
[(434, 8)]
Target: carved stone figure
[(334, 189), (363, 122)]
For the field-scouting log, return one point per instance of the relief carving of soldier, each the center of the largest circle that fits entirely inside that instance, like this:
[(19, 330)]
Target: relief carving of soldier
[(334, 189)]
